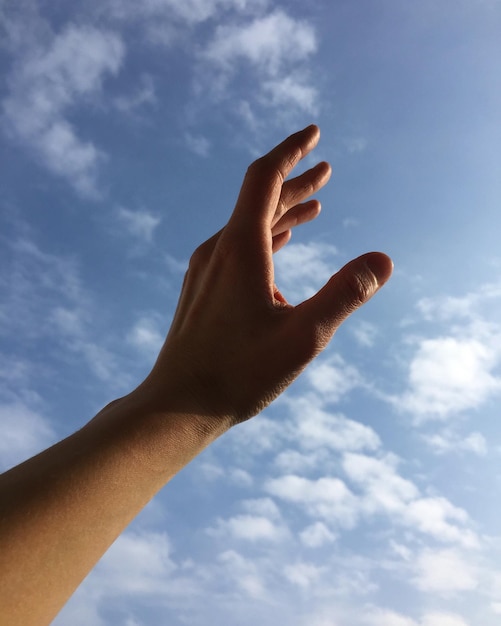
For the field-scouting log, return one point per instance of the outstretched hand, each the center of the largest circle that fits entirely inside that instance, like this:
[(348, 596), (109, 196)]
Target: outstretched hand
[(235, 343)]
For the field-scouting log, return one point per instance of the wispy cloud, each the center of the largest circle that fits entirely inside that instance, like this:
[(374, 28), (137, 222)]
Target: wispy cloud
[(44, 299), (444, 571), (141, 224), (24, 433), (328, 497), (46, 83), (137, 563), (451, 374), (364, 332), (382, 490), (246, 573), (455, 371), (146, 335), (302, 268), (439, 618), (314, 427), (250, 528), (198, 144), (317, 535), (268, 43), (71, 329), (333, 378), (303, 574), (355, 145), (145, 94), (62, 72), (33, 283), (377, 616), (274, 49), (448, 441), (190, 12)]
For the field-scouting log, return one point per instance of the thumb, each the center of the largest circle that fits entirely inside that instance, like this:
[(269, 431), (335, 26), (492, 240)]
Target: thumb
[(319, 317)]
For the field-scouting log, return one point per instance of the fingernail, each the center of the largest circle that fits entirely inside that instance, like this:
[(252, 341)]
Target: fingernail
[(310, 128)]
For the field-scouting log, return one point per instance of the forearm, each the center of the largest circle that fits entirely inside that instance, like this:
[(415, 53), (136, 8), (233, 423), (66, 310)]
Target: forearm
[(61, 510)]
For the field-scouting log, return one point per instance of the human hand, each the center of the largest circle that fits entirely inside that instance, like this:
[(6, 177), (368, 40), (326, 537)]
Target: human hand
[(235, 343)]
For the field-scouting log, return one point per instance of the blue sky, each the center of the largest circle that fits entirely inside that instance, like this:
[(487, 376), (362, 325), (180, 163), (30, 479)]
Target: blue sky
[(367, 495)]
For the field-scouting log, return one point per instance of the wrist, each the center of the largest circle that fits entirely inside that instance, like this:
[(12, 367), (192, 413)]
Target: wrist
[(162, 431)]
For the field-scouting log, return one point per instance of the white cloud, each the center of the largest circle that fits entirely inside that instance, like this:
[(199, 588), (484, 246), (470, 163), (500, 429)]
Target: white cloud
[(169, 22), (81, 610), (261, 521), (146, 336), (273, 50), (262, 506), (364, 332), (250, 528), (457, 370), (315, 428), (350, 222), (496, 607), (327, 497), (210, 471), (303, 574), (384, 490), (403, 551), (45, 84), (444, 571), (260, 435), (32, 280), (333, 377), (137, 563), (355, 145), (145, 94), (175, 265), (245, 573), (69, 321), (140, 224), (450, 442), (448, 375), (385, 617), (438, 618), (302, 268), (291, 89), (189, 12), (43, 298), (377, 616), (137, 567), (316, 535), (268, 43), (71, 329), (292, 461), (471, 306), (240, 477), (198, 144), (24, 433), (437, 517)]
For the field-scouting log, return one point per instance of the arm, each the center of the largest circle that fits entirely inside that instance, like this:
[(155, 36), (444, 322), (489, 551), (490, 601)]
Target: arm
[(61, 510)]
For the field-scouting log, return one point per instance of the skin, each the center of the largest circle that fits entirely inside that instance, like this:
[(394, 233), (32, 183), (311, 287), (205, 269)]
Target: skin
[(62, 509)]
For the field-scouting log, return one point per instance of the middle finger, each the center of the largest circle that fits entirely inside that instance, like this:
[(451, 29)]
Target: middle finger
[(298, 189)]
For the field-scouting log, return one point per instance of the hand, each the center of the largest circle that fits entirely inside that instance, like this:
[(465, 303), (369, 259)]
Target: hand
[(235, 343)]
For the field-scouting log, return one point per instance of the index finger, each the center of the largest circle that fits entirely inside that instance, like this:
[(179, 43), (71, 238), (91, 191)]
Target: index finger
[(262, 186)]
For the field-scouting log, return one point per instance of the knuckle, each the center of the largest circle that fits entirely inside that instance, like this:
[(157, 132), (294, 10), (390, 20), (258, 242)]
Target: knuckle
[(359, 286), (266, 169), (199, 257)]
